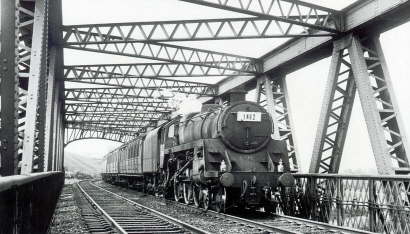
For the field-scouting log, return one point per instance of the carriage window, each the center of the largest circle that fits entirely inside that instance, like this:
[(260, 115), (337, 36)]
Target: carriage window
[(130, 151), (136, 149), (171, 131)]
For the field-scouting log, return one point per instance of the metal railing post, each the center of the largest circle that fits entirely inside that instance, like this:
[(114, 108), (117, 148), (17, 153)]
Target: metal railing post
[(372, 208), (339, 201)]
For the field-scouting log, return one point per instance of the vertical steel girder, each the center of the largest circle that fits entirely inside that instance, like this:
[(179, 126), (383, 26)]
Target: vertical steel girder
[(52, 102), (367, 68), (380, 108), (273, 94), (9, 87), (36, 84), (335, 114)]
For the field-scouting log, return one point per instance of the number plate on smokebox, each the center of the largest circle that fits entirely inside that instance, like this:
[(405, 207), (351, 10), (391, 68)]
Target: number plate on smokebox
[(249, 116)]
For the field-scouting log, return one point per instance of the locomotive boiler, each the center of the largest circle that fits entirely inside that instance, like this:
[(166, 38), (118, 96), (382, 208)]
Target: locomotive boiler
[(221, 157)]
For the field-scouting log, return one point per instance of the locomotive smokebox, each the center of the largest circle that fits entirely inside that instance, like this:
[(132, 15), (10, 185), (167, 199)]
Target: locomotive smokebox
[(245, 127)]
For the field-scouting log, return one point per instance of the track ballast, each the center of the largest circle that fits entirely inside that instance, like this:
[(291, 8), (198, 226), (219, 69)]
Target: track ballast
[(126, 216)]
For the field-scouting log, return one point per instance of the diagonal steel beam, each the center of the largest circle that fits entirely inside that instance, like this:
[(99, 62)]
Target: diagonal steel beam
[(336, 111), (175, 54), (190, 30), (286, 11)]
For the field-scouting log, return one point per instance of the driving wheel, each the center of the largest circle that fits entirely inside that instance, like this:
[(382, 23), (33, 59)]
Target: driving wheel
[(196, 192), (188, 193), (206, 200), (178, 190), (220, 200)]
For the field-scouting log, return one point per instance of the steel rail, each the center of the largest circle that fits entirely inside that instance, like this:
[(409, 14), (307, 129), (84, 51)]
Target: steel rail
[(225, 216), (114, 224), (248, 221), (268, 226), (157, 213), (330, 226)]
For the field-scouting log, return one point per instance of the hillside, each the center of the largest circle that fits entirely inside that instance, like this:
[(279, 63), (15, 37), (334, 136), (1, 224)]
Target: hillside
[(84, 164)]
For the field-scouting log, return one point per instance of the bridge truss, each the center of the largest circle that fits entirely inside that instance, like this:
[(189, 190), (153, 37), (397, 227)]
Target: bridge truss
[(46, 104), (120, 101)]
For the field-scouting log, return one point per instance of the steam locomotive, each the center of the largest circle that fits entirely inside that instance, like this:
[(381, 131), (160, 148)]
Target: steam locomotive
[(221, 157)]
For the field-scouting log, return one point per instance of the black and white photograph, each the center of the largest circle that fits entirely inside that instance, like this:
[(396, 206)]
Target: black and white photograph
[(204, 116)]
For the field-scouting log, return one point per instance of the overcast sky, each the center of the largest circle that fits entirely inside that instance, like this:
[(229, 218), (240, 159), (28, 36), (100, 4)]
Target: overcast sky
[(306, 85)]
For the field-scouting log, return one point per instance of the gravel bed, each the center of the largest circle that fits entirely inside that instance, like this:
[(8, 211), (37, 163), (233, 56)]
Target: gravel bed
[(196, 217), (67, 216)]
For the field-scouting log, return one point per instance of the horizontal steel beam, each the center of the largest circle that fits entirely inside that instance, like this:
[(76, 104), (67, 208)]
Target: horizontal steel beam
[(101, 118), (150, 84), (175, 54), (109, 107), (95, 128), (113, 93), (111, 113), (119, 124), (188, 30), (287, 11), (143, 70)]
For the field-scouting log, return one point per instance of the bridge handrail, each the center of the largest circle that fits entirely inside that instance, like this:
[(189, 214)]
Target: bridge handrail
[(9, 182), (359, 177), (377, 203), (27, 202)]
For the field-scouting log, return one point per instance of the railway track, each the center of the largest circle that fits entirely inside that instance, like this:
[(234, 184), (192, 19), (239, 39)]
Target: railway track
[(262, 223), (288, 224), (93, 220), (308, 226), (120, 215)]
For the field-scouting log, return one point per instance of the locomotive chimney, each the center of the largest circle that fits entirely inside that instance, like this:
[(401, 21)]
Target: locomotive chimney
[(237, 94), (209, 107)]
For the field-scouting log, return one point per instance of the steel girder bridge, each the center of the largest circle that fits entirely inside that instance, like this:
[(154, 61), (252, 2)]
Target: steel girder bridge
[(40, 113)]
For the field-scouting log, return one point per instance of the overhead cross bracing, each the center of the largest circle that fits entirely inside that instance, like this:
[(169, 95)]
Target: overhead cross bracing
[(175, 68), (48, 101)]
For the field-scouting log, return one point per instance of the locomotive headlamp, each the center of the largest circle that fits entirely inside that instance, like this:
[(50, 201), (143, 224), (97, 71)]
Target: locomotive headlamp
[(222, 168)]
